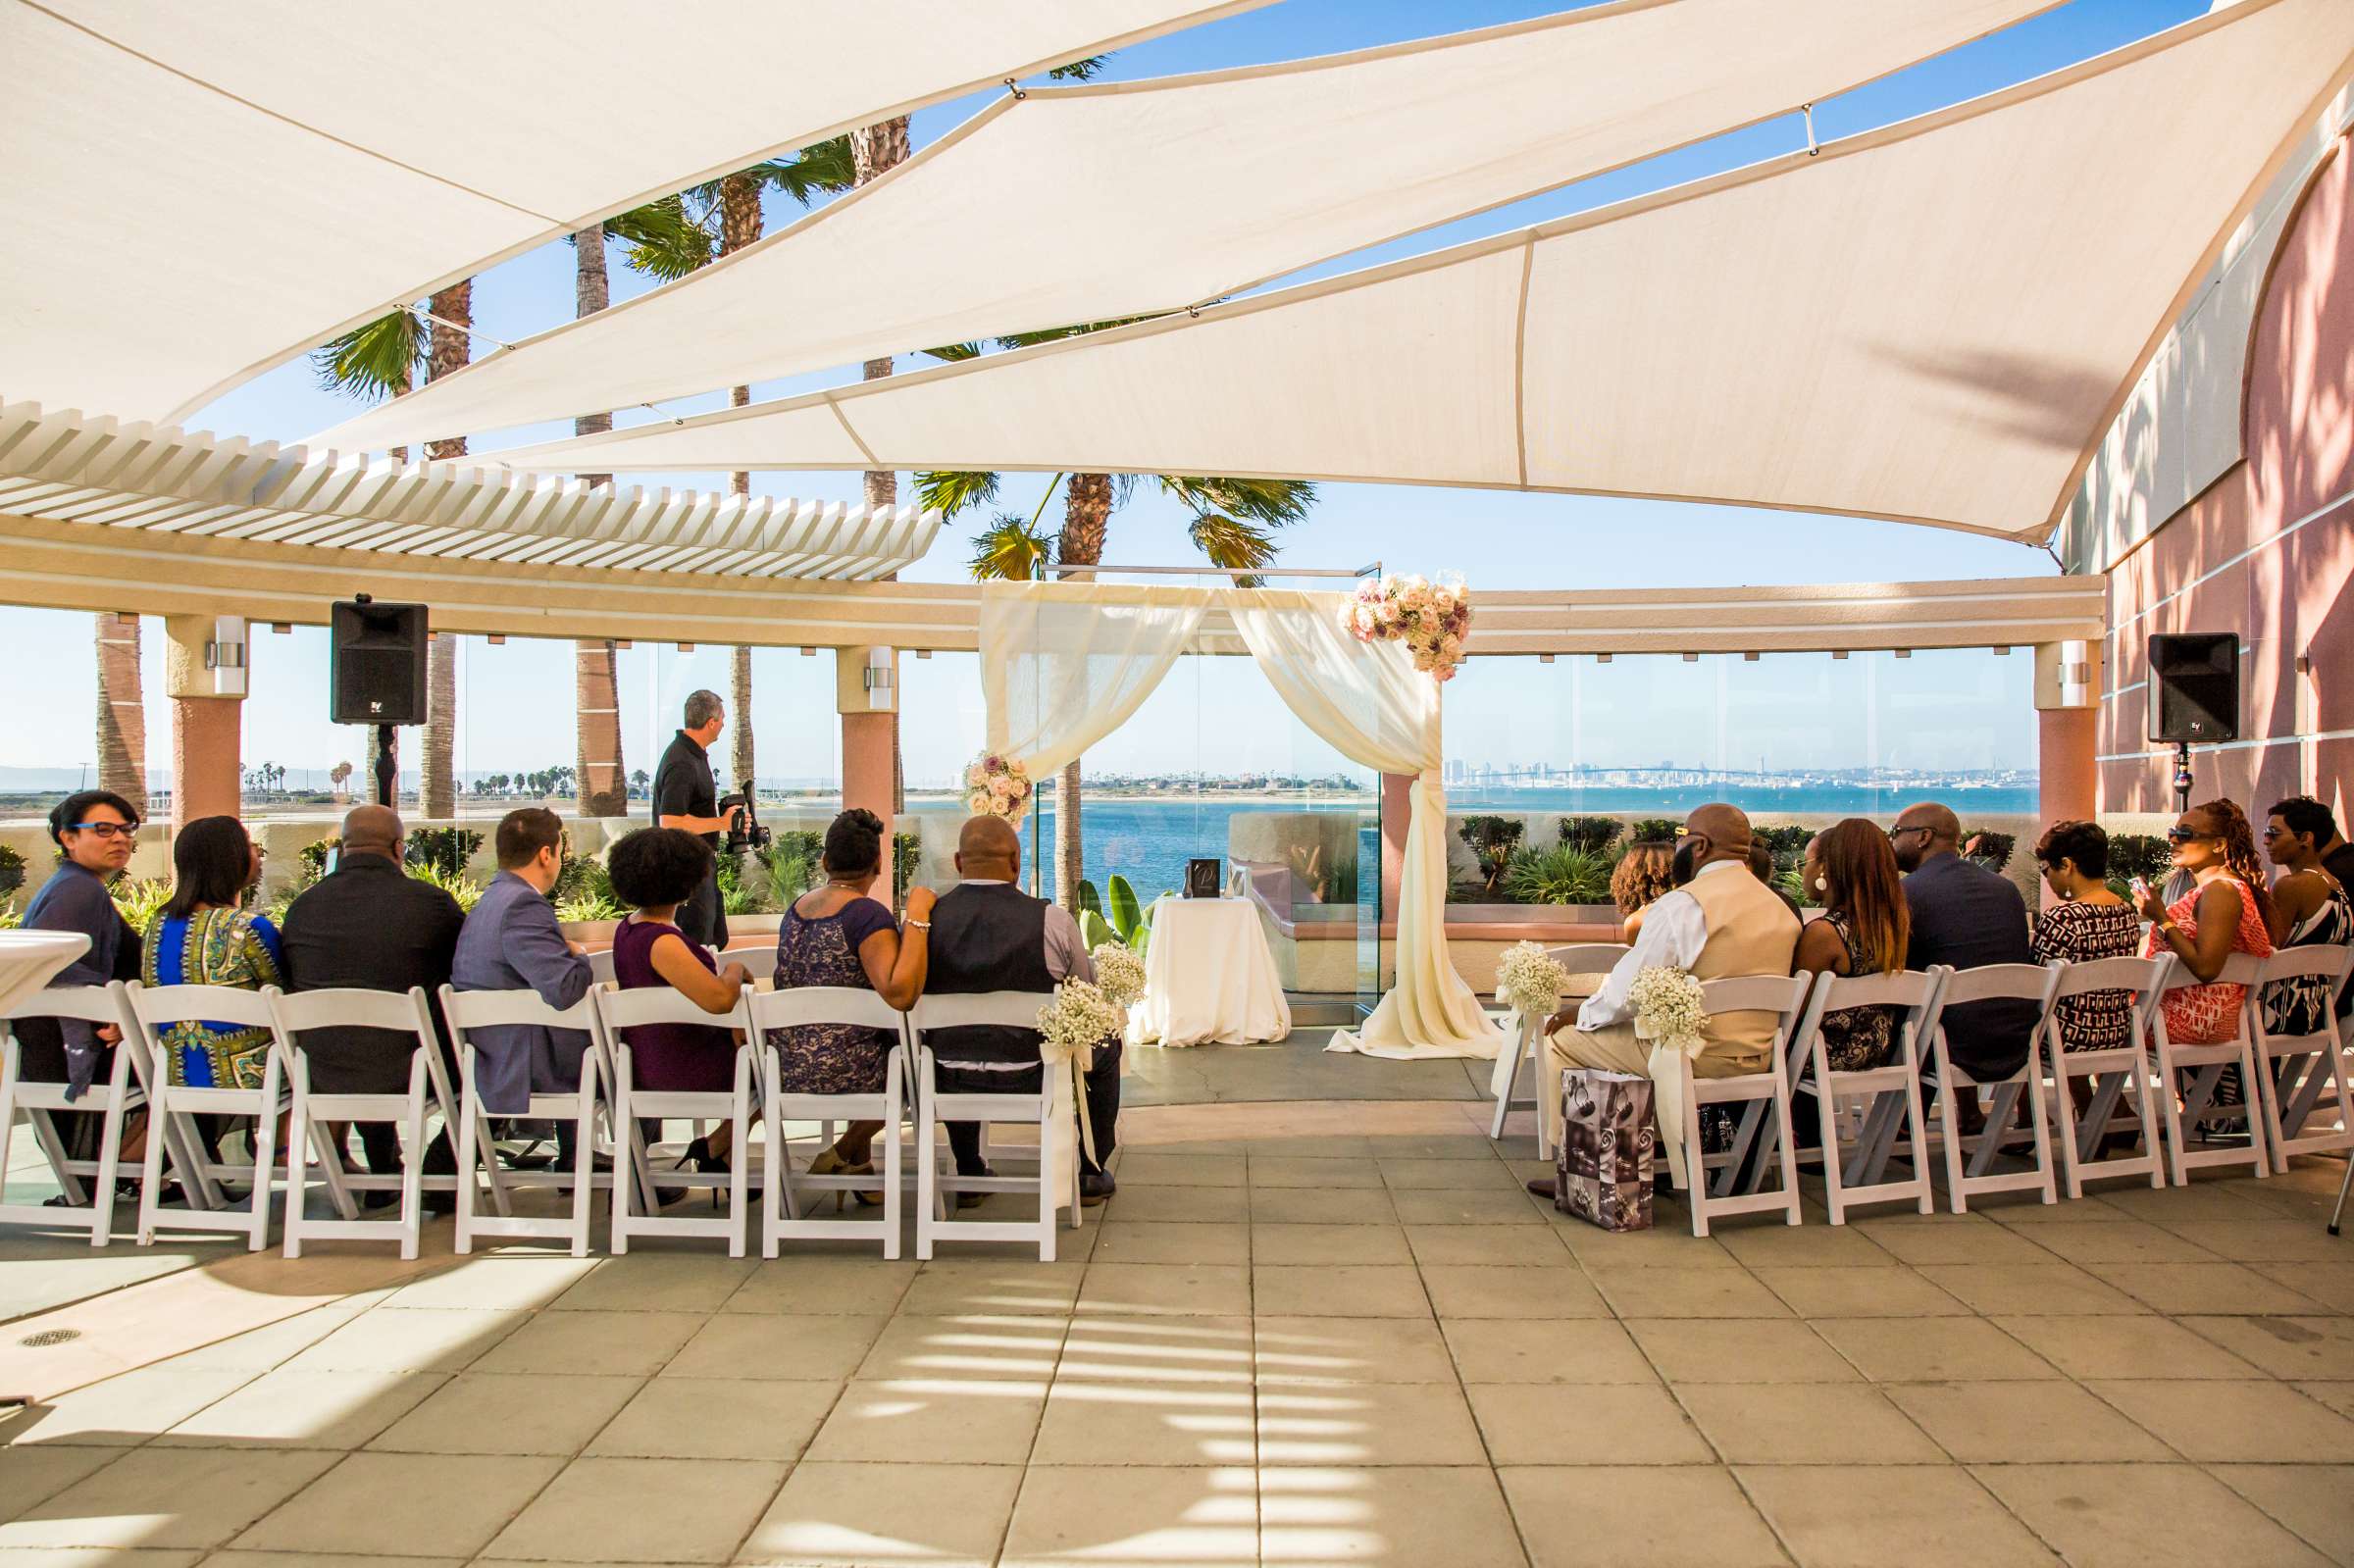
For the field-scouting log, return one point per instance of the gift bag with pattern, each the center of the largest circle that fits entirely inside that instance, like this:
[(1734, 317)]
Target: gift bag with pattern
[(1604, 1163)]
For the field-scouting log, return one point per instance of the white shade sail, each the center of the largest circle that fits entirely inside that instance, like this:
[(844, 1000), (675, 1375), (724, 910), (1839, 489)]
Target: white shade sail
[(1162, 194), (1932, 323), (195, 192)]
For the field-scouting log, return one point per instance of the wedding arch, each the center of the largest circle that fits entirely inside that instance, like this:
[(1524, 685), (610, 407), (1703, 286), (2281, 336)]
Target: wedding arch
[(1065, 664)]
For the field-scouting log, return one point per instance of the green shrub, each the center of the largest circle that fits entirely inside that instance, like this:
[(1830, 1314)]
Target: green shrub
[(906, 859), (1089, 900), (1492, 841), (1787, 844), (11, 871), (140, 899), (1989, 849), (1560, 874), (444, 849), (2138, 854), (1595, 835), (313, 856), (583, 879), (1666, 827), (460, 886)]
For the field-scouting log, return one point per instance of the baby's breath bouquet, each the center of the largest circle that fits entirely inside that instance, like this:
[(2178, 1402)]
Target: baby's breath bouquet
[(1528, 982), (1078, 1019), (1119, 974), (1667, 1007)]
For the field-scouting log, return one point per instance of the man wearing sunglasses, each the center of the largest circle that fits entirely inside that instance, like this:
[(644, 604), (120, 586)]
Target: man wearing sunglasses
[(95, 831)]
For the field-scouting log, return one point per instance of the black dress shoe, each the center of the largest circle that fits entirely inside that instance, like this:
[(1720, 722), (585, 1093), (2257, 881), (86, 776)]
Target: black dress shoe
[(1546, 1188), (1095, 1186)]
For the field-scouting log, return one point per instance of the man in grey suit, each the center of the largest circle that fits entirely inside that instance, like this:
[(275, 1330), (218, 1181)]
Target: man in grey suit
[(511, 942)]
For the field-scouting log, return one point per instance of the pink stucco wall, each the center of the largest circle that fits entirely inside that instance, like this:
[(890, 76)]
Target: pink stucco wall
[(2283, 588)]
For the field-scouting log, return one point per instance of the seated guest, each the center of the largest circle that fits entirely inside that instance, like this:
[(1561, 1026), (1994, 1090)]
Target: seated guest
[(1761, 866), (2227, 910), (988, 935), (1724, 922), (368, 925), (2310, 909), (1638, 880), (511, 941), (1864, 930), (654, 871), (2088, 921), (1968, 917), (95, 831), (839, 935), (204, 937)]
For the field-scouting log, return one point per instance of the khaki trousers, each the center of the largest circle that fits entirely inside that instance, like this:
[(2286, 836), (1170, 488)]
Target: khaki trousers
[(1615, 1049)]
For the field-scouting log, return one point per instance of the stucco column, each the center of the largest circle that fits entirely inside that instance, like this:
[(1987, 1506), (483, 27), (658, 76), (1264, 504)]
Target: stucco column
[(2067, 685), (205, 675), (867, 694)]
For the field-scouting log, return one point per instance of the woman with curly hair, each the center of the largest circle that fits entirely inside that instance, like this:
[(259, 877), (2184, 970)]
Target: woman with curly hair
[(654, 871), (1641, 875), (2088, 922), (2227, 910)]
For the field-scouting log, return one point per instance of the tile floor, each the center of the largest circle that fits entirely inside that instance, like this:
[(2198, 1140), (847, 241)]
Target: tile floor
[(1302, 1334)]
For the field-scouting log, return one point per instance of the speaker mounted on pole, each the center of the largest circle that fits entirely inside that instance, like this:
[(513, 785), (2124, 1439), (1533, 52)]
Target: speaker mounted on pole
[(2194, 686), (376, 662)]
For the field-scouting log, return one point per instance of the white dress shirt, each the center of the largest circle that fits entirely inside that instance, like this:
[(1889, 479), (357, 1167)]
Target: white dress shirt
[(1673, 932)]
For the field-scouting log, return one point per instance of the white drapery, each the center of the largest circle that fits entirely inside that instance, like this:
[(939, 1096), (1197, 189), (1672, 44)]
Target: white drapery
[(1063, 665), (1369, 703)]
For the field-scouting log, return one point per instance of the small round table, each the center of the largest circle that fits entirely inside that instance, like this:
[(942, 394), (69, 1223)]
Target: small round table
[(1209, 977)]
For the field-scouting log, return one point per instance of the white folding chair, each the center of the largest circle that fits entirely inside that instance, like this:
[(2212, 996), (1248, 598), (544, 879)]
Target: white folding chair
[(2188, 1076), (1051, 1109), (1889, 1094), (468, 1010), (2295, 1071), (2033, 983), (172, 1107), (2111, 1075), (1718, 1193), (1524, 1044), (600, 966), (785, 1190), (408, 1013), (619, 1010), (88, 1184)]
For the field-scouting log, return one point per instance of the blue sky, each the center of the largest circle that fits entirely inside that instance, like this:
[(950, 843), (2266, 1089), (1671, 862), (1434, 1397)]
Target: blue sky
[(1947, 711)]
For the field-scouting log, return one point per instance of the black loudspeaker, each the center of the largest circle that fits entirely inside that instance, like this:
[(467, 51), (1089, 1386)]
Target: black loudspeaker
[(2194, 686), (1202, 878), (376, 662)]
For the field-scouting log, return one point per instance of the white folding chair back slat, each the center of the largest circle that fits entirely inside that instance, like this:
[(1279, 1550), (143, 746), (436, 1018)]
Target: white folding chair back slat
[(409, 1012), (638, 1204), (1763, 1129), (2302, 1076), (1890, 1093), (477, 1157), (2190, 1075), (87, 1183), (2111, 1074), (782, 1214), (1525, 1047), (1969, 1166), (600, 966), (1051, 1109), (172, 1107)]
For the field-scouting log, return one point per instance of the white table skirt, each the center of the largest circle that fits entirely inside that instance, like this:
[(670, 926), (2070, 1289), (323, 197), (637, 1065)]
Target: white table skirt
[(1209, 977), (32, 959)]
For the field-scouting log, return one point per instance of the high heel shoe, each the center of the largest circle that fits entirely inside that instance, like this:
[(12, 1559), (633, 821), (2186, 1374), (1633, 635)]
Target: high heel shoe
[(697, 1157), (830, 1162)]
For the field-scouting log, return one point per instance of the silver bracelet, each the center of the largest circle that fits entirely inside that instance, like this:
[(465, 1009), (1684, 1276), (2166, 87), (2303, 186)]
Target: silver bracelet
[(919, 925)]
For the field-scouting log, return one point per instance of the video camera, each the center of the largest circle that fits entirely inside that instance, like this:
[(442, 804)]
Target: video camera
[(745, 831)]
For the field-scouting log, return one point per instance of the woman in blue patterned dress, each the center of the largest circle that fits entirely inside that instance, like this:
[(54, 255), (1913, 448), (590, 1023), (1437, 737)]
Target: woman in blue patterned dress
[(205, 937), (838, 935)]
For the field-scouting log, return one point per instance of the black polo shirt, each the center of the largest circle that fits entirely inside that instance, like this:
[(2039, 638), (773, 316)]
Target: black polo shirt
[(684, 785)]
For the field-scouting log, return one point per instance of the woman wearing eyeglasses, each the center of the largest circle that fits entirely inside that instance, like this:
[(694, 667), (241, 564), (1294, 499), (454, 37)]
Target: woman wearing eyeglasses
[(204, 937), (2227, 910)]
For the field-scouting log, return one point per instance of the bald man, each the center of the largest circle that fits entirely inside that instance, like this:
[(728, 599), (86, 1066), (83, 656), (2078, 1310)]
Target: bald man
[(1723, 922), (988, 935), (1966, 916), (369, 925)]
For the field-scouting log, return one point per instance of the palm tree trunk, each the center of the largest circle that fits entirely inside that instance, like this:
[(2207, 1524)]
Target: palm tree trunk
[(600, 783), (875, 151), (1086, 519), (447, 347), (738, 226), (122, 717)]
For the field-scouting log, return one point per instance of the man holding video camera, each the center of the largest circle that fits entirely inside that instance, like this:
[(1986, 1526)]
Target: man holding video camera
[(687, 795)]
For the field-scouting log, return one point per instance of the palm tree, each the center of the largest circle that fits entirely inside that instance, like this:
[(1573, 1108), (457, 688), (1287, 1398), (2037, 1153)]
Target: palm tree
[(122, 715), (1233, 524)]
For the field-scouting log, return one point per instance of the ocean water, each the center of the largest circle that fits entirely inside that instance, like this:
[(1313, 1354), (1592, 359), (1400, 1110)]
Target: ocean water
[(1150, 840)]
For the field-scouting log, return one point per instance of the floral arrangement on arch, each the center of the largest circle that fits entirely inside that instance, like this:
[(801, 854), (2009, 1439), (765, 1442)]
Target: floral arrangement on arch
[(1431, 619), (997, 787)]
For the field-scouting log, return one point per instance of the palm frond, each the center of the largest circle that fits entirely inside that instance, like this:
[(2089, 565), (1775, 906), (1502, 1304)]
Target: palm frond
[(1234, 545), (1012, 549), (824, 166), (1055, 335), (1270, 503), (376, 360), (954, 353), (660, 241), (951, 491), (1085, 69)]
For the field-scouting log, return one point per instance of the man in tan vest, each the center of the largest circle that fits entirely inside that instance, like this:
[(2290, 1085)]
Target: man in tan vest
[(1723, 922)]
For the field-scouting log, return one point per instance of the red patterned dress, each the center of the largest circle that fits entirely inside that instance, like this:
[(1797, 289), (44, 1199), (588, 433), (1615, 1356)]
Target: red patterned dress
[(2209, 1015)]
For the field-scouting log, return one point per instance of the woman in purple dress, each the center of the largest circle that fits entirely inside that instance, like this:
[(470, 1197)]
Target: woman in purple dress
[(654, 870), (838, 935)]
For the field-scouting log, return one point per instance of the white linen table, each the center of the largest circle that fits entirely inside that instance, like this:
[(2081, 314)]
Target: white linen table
[(1209, 977), (30, 959)]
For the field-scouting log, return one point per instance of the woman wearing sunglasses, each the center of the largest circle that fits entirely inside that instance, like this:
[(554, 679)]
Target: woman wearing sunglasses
[(2227, 910)]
